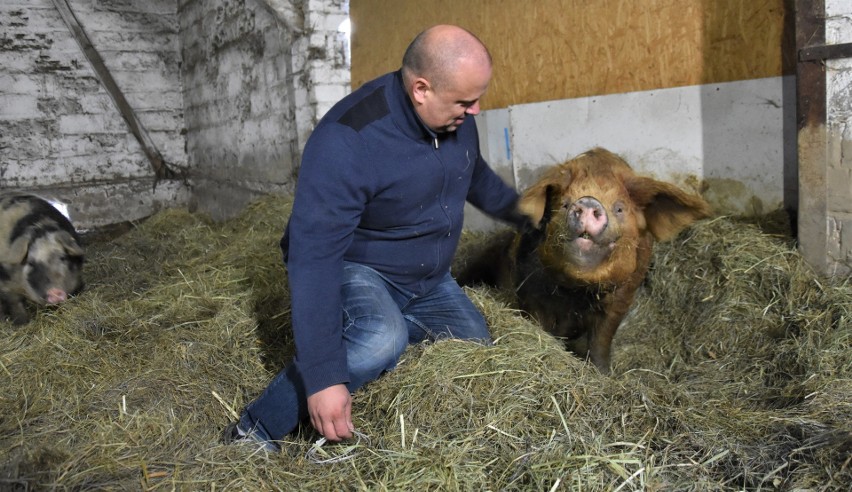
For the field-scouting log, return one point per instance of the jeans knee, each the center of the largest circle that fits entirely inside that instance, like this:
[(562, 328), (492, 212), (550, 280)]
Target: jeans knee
[(393, 347), (374, 351)]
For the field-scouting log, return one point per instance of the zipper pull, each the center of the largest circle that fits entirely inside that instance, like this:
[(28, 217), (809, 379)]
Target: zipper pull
[(435, 143)]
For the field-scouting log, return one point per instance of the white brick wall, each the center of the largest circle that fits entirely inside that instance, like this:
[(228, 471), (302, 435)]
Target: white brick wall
[(839, 128), (60, 132), (227, 89)]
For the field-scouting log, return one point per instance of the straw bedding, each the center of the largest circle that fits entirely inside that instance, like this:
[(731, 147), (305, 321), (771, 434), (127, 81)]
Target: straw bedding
[(732, 372)]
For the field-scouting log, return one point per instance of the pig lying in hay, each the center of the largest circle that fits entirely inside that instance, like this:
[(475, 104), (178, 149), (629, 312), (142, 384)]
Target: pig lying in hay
[(40, 255), (576, 271)]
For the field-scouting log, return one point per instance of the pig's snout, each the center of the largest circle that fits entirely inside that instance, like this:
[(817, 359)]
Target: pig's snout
[(55, 296), (587, 217)]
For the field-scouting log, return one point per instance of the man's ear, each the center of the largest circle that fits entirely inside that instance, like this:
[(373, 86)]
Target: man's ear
[(419, 88)]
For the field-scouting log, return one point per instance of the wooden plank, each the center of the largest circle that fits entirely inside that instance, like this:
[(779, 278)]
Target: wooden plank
[(810, 74), (825, 52), (810, 86), (811, 137), (559, 49)]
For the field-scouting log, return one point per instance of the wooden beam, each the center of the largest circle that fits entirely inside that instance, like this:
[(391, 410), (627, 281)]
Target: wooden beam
[(812, 214), (810, 83), (161, 169), (825, 52)]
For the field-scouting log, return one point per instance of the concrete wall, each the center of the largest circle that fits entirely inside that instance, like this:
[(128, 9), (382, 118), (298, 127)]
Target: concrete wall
[(61, 134), (257, 75), (734, 142), (729, 138)]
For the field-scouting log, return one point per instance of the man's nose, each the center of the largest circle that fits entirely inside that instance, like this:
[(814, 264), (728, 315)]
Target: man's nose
[(473, 109)]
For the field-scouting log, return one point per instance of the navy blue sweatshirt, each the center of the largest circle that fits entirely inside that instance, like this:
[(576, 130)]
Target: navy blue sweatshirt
[(379, 188)]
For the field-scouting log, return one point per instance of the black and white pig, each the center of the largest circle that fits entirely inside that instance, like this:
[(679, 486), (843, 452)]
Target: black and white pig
[(40, 255)]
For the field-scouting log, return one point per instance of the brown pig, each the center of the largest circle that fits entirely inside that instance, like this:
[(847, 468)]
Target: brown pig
[(577, 269)]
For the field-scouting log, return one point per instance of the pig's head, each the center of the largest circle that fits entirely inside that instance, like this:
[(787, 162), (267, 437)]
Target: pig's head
[(595, 212), (52, 267)]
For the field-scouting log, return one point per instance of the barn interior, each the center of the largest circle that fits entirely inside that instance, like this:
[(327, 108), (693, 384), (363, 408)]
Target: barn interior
[(173, 131)]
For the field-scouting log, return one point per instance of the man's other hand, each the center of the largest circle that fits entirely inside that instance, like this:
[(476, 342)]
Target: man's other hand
[(331, 412)]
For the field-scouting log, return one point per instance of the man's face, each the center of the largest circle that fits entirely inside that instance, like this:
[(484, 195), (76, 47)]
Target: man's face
[(444, 109)]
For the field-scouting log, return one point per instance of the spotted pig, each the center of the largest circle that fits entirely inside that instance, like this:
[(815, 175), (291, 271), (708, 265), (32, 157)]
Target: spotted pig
[(40, 255)]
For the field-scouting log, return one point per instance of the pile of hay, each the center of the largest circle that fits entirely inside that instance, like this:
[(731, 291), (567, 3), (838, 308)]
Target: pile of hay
[(732, 373)]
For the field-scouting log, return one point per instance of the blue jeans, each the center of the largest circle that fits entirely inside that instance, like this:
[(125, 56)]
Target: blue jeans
[(379, 320)]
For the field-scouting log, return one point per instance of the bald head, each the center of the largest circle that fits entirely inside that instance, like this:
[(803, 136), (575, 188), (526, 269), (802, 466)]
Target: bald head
[(446, 71), (439, 52)]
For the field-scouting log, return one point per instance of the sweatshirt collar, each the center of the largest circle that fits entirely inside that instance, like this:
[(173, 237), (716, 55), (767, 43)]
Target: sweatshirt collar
[(404, 115)]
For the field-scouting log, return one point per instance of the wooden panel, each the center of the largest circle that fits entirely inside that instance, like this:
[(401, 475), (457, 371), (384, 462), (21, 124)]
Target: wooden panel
[(558, 49)]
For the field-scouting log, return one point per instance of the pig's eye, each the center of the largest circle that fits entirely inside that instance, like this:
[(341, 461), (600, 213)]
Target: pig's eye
[(618, 208)]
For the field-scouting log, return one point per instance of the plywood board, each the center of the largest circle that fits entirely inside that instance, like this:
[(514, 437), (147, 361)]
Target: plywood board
[(558, 49)]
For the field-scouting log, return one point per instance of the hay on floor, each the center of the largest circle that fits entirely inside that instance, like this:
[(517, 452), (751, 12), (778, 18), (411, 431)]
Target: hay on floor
[(731, 373)]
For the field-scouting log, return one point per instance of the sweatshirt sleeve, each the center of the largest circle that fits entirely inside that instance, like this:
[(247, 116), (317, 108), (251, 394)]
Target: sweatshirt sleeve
[(490, 194), (328, 203)]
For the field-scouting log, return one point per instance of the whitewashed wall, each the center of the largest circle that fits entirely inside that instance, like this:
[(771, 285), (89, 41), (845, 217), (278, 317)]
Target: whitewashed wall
[(60, 133), (257, 75), (228, 90)]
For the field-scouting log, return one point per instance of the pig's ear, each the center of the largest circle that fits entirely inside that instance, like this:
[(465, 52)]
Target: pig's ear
[(72, 248), (538, 198), (667, 208), (16, 252), (533, 203)]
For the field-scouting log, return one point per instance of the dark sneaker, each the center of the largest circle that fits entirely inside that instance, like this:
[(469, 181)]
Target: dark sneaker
[(234, 434)]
